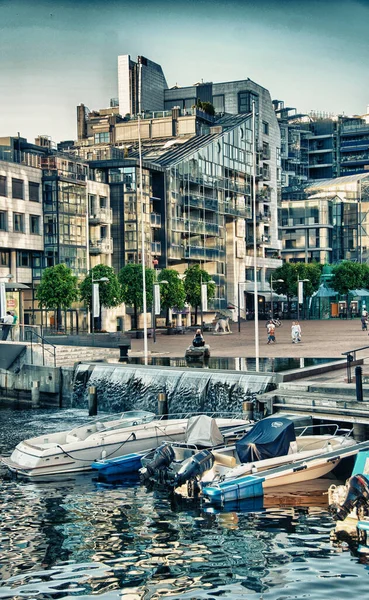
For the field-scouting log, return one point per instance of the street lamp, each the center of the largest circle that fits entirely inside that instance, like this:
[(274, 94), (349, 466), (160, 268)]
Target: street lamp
[(204, 299), (300, 294), (95, 301), (155, 310), (271, 293)]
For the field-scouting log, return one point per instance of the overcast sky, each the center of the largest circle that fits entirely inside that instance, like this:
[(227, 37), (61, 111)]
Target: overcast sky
[(54, 55)]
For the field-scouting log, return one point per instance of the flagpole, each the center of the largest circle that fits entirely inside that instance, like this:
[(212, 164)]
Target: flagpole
[(256, 304), (143, 261)]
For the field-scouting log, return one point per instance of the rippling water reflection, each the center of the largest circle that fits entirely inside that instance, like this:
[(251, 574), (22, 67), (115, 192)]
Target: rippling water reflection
[(79, 539)]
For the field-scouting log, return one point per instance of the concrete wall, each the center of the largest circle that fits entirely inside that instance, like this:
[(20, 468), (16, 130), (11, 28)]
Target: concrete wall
[(55, 384)]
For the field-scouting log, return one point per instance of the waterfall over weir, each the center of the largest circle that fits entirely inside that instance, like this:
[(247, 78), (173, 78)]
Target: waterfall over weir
[(128, 387)]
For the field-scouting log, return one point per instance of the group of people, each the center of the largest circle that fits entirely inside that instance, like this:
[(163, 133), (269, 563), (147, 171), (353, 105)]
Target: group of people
[(8, 322), (295, 332)]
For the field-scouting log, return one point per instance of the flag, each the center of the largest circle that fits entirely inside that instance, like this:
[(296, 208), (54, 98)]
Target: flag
[(157, 306), (204, 297), (301, 292), (2, 301), (95, 300)]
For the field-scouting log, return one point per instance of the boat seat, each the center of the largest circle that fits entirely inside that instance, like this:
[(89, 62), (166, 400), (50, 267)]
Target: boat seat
[(225, 459)]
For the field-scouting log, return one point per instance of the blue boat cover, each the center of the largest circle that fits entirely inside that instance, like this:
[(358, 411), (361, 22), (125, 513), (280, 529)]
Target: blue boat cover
[(268, 438)]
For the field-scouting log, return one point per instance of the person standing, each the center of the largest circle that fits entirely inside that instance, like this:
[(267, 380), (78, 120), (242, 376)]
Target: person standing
[(13, 331), (271, 332), (7, 325), (296, 332)]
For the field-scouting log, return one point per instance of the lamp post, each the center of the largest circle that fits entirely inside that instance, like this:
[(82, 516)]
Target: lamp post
[(300, 294), (239, 305), (271, 294), (201, 302), (95, 301), (155, 305)]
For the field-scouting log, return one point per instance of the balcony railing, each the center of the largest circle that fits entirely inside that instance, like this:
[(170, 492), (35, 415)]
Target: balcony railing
[(102, 246), (175, 252), (199, 253), (155, 220), (101, 215)]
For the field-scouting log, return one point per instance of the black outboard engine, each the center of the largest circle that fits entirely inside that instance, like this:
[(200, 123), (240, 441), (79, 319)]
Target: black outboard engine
[(163, 456), (357, 496), (198, 464)]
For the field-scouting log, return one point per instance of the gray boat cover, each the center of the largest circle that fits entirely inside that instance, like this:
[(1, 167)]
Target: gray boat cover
[(203, 431)]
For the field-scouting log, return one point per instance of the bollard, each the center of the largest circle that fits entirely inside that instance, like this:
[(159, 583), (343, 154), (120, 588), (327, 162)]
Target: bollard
[(92, 401), (248, 410), (35, 394), (359, 383), (162, 404)]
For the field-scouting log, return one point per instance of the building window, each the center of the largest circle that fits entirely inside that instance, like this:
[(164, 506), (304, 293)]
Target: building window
[(34, 191), (17, 188), (218, 103), (2, 185), (3, 220), (34, 224), (103, 202), (18, 222), (23, 259), (4, 259), (101, 138), (265, 128), (245, 100)]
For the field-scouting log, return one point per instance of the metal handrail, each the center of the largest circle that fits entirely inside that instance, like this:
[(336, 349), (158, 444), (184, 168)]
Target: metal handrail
[(351, 357), (43, 342)]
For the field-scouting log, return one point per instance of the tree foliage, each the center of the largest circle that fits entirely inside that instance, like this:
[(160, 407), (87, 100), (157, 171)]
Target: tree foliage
[(207, 107), (172, 294), (291, 273), (131, 281), (58, 288), (349, 276), (192, 285), (110, 292)]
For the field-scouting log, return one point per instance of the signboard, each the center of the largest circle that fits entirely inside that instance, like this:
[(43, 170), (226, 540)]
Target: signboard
[(204, 297), (95, 300), (301, 292), (157, 307)]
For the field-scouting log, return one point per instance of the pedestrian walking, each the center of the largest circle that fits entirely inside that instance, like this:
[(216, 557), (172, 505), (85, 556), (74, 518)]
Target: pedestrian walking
[(296, 332), (364, 323), (14, 329), (271, 332), (7, 324)]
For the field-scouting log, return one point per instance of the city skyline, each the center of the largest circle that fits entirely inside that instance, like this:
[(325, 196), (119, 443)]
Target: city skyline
[(57, 55)]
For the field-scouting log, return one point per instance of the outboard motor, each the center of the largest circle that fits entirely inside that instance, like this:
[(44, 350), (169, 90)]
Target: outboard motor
[(163, 456), (198, 464), (357, 496)]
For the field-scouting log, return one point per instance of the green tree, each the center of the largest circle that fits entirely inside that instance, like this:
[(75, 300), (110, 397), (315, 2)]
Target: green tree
[(194, 276), (173, 293), (58, 290), (110, 292), (291, 273), (130, 278), (349, 276), (207, 107)]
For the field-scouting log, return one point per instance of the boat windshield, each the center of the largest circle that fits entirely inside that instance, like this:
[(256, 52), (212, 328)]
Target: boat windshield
[(140, 416)]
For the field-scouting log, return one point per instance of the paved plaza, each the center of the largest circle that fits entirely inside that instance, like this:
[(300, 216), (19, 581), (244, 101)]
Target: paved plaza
[(320, 339)]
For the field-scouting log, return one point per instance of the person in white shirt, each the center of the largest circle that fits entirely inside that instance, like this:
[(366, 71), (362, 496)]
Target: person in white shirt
[(296, 332), (7, 324)]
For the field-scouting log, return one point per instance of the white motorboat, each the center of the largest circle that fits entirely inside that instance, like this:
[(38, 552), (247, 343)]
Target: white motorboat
[(269, 455), (73, 451)]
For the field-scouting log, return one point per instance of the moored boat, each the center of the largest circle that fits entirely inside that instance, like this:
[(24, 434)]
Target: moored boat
[(73, 451), (269, 455)]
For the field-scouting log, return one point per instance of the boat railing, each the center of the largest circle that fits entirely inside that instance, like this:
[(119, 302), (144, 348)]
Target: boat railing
[(334, 435)]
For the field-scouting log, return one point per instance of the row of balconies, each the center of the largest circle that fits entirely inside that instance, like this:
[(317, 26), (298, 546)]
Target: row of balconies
[(194, 226)]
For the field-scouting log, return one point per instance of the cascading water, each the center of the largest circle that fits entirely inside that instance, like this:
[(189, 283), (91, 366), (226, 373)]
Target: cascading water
[(128, 387)]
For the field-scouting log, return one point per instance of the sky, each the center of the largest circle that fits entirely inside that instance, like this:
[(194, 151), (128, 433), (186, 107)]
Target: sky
[(314, 55)]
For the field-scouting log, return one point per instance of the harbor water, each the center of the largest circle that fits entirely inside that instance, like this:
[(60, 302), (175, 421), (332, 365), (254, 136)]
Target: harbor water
[(78, 539)]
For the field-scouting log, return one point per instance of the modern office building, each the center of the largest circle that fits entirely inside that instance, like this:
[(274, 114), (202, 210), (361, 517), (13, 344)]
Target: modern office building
[(144, 79), (330, 224), (50, 213)]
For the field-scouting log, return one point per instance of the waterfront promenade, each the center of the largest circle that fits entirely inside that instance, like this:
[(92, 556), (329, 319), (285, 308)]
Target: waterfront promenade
[(320, 339)]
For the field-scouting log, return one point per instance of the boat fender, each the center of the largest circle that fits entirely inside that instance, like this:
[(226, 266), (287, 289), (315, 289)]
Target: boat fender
[(197, 465), (163, 457), (254, 469), (357, 495), (103, 455)]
